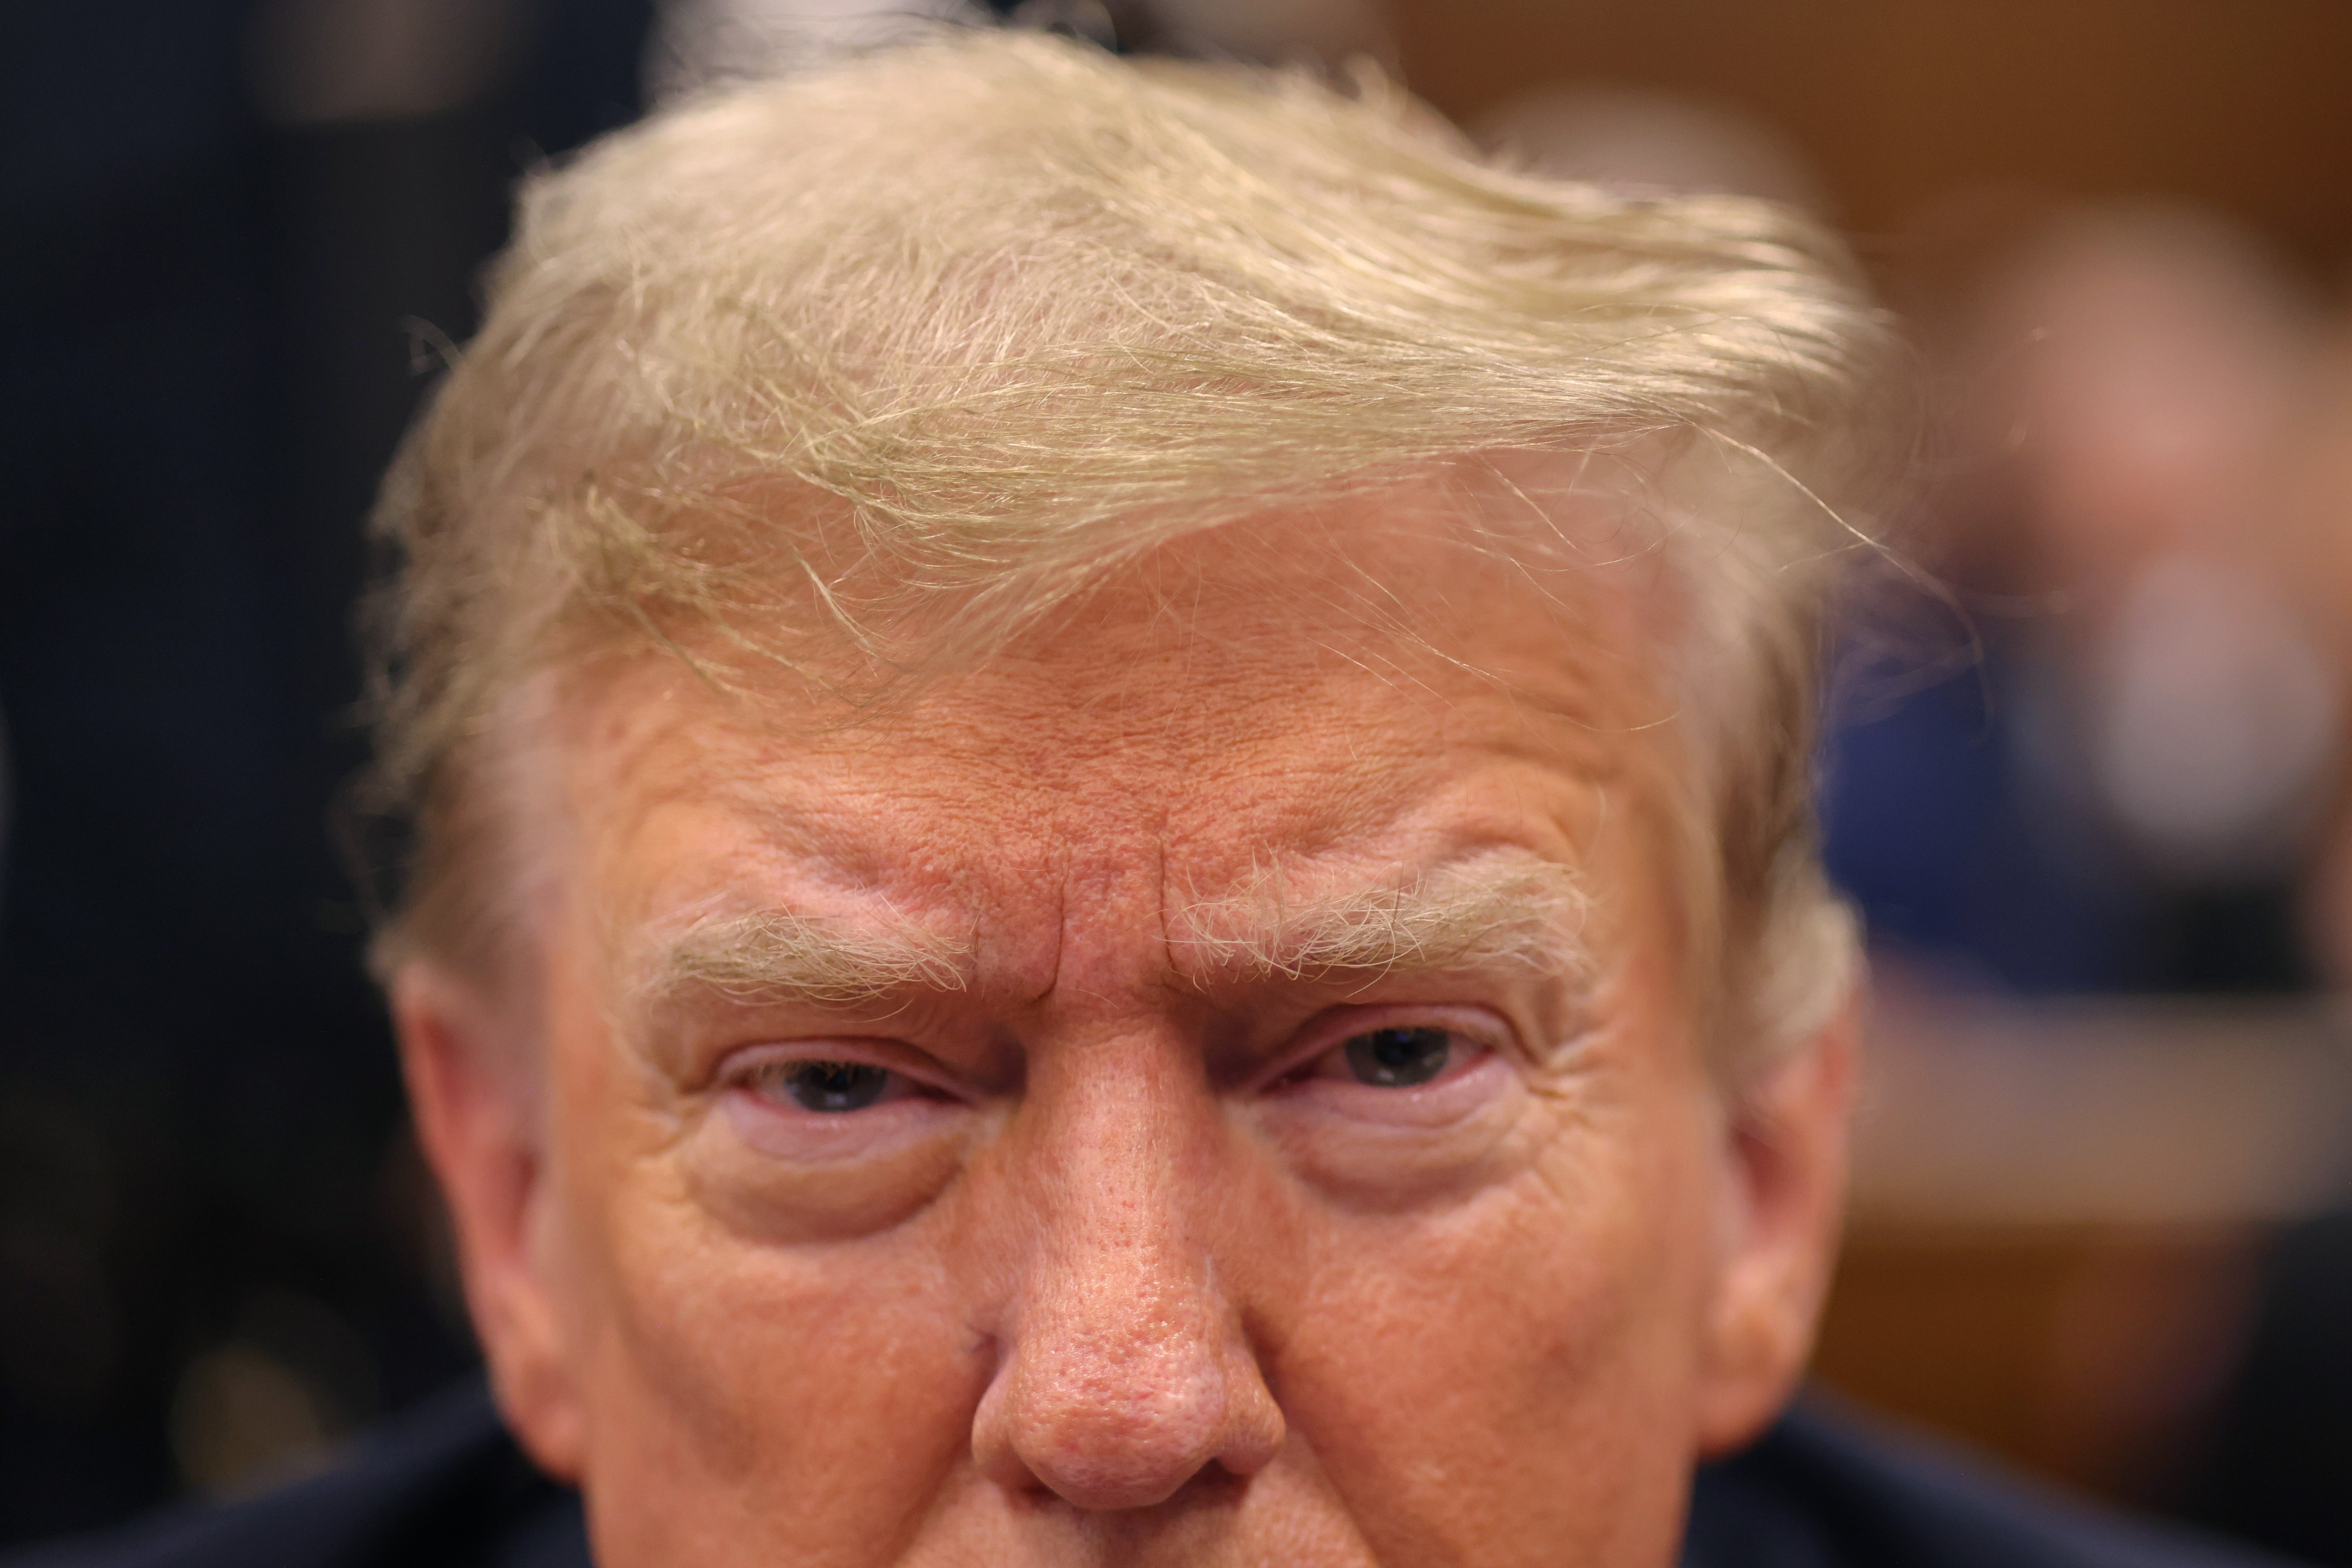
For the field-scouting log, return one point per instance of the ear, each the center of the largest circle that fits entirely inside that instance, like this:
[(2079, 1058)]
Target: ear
[(472, 1086), (1785, 1168)]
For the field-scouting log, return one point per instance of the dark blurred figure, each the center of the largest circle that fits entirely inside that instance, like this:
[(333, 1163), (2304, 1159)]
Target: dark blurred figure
[(233, 235), (2278, 1468)]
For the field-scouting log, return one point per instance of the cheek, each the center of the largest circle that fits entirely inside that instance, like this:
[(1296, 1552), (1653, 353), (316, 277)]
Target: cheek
[(795, 1190), (1516, 1374), (802, 1393), (759, 1397)]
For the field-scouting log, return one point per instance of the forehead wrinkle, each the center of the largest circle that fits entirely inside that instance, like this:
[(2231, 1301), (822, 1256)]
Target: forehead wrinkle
[(1502, 909)]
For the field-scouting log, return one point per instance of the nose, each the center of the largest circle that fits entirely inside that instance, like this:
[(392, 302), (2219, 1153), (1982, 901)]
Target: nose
[(1125, 1370)]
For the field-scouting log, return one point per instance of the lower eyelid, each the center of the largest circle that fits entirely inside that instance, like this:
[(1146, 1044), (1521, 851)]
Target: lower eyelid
[(1318, 1108), (817, 1142), (1339, 1078)]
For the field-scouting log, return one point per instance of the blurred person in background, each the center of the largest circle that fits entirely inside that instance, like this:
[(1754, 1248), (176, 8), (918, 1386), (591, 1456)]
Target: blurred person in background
[(2104, 754), (2121, 779), (2127, 788), (2106, 757)]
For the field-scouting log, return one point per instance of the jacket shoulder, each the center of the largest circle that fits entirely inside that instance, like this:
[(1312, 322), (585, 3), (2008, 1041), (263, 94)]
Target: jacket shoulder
[(443, 1485), (1824, 1490)]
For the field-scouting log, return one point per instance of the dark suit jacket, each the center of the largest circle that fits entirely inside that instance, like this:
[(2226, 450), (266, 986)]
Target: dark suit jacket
[(445, 1488)]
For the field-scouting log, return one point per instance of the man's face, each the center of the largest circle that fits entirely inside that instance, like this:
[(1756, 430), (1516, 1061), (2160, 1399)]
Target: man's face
[(1213, 1086)]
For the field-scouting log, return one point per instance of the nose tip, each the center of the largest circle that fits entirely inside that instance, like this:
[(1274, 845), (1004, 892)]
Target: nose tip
[(1120, 1426)]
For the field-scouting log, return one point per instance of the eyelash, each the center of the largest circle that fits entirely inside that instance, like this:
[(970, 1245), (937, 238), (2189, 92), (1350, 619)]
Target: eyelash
[(841, 1081), (1362, 1051)]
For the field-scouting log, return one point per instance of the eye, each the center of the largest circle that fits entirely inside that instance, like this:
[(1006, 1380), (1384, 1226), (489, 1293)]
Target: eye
[(828, 1088), (1398, 1058), (1407, 1054), (1425, 1066)]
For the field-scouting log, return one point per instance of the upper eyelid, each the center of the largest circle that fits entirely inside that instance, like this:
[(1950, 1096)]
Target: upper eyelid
[(1449, 1015), (736, 1065)]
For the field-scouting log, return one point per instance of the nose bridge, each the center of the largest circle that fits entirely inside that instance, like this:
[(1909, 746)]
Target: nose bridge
[(1124, 1368), (1119, 1133), (1123, 1285)]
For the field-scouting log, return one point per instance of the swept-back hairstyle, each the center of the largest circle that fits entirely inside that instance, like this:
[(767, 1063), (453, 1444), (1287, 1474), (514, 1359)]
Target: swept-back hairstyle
[(897, 356)]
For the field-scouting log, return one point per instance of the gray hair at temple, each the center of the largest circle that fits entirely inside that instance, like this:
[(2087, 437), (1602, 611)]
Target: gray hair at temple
[(882, 361)]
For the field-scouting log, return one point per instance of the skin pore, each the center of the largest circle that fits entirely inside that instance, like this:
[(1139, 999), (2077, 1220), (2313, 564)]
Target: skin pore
[(1203, 1089)]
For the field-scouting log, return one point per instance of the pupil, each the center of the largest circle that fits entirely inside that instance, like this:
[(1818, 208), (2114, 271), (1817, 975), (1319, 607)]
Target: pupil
[(1398, 1058), (835, 1086)]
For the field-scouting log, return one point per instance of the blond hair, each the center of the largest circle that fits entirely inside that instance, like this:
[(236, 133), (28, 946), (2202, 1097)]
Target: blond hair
[(898, 354)]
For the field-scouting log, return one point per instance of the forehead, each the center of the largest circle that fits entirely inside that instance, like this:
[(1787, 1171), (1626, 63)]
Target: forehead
[(1369, 695)]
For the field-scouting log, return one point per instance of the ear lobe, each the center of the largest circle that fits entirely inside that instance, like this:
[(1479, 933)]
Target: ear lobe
[(1785, 1195), (471, 1090)]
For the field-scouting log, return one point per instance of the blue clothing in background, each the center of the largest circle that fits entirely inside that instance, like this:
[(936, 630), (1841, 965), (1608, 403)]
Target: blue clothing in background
[(1954, 814)]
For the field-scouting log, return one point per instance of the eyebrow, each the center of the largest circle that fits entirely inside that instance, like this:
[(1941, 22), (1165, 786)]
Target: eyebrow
[(768, 955), (1504, 908)]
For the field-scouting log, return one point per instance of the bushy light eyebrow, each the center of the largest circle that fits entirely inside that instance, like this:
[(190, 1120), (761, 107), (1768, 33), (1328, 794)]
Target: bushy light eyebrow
[(1505, 909), (773, 955)]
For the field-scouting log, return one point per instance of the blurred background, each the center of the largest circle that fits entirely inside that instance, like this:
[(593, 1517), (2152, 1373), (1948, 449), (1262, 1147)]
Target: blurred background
[(2087, 776)]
